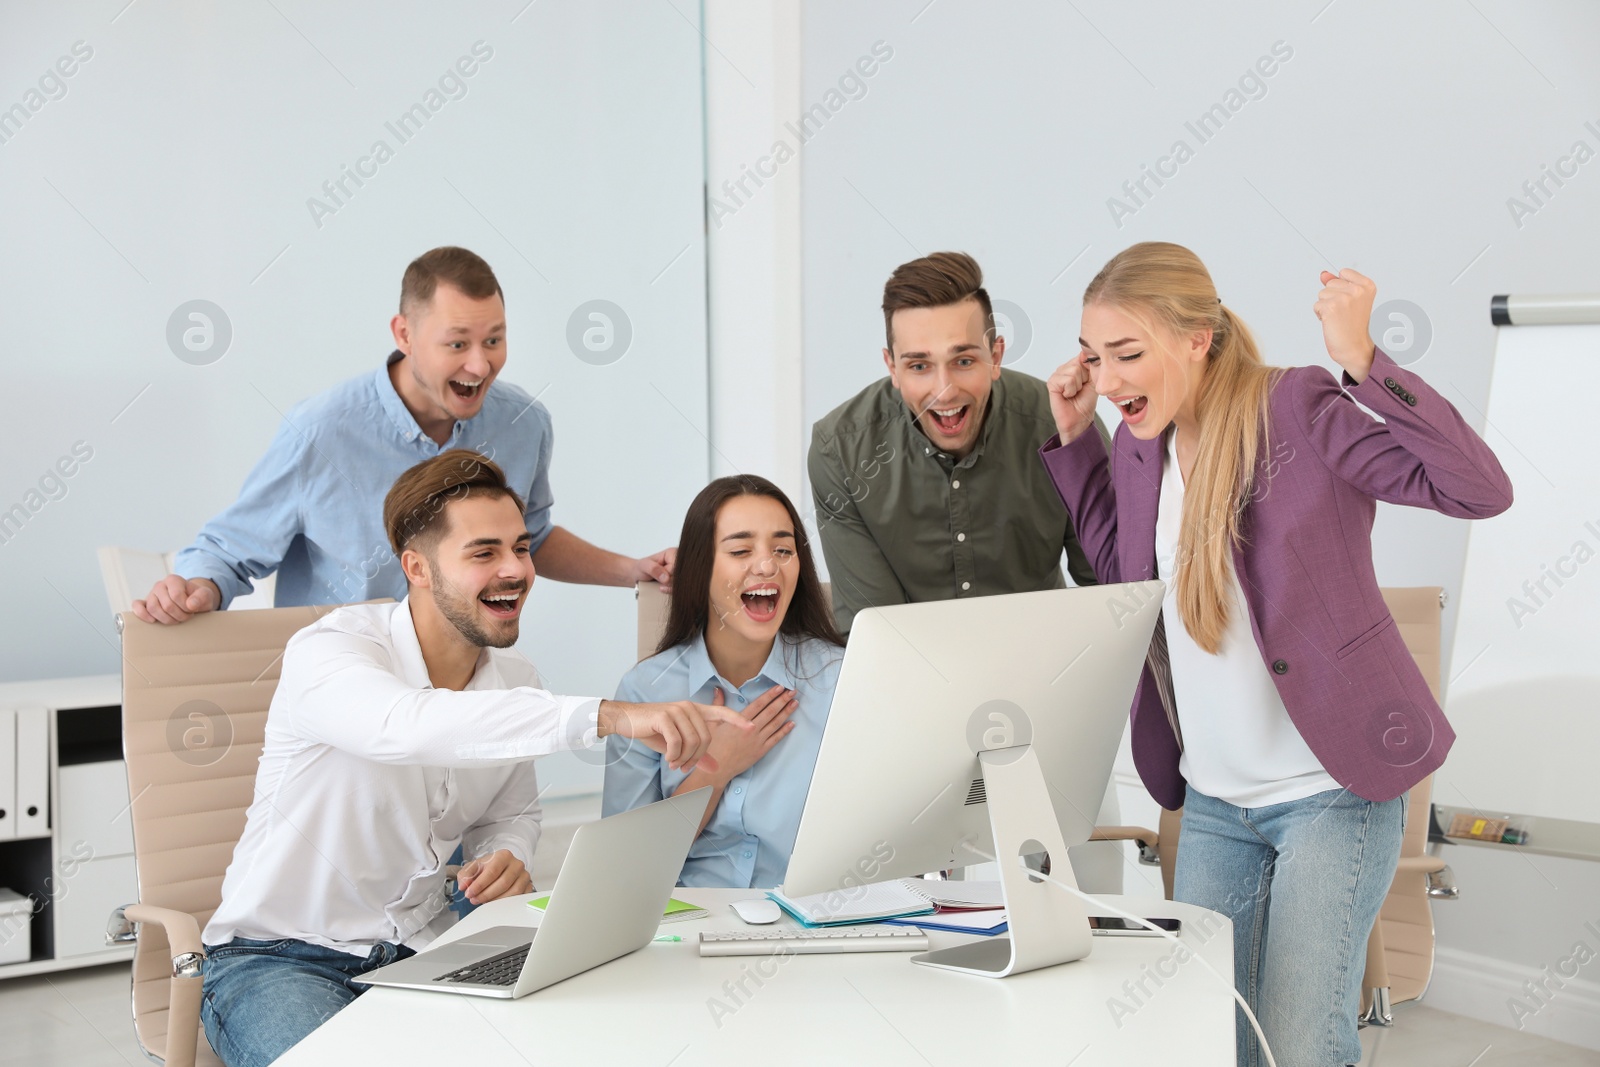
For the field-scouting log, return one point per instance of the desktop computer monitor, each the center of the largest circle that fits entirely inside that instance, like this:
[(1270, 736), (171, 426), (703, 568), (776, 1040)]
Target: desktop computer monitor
[(976, 728)]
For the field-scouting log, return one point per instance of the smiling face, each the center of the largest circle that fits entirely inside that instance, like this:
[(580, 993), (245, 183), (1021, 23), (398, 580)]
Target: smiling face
[(754, 572), (944, 366), (455, 345), (480, 571), (1152, 376)]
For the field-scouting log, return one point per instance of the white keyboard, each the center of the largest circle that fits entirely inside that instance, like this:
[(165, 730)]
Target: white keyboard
[(764, 942)]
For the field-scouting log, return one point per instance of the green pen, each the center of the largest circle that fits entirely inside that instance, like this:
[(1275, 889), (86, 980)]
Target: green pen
[(669, 937)]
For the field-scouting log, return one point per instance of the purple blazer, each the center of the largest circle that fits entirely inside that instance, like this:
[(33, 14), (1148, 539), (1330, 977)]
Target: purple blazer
[(1318, 617)]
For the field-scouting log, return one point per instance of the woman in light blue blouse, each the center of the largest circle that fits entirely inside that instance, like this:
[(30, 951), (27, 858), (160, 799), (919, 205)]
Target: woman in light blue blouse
[(748, 627)]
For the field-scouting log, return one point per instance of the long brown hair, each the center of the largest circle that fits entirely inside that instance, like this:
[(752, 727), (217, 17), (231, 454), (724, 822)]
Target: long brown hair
[(1166, 286), (690, 611)]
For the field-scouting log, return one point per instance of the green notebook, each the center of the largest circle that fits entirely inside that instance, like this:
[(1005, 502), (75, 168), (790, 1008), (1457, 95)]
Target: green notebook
[(677, 910)]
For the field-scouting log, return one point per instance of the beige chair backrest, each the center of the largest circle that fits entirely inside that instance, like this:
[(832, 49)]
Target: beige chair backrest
[(1406, 919), (653, 605), (1416, 613), (194, 709)]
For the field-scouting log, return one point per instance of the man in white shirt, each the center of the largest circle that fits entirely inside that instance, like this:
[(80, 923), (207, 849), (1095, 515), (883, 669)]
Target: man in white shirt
[(397, 732)]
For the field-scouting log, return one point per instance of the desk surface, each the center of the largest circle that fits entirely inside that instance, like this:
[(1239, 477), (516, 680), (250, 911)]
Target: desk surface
[(668, 1005)]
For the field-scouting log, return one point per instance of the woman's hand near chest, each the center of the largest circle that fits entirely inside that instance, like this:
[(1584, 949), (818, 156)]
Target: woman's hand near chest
[(736, 751)]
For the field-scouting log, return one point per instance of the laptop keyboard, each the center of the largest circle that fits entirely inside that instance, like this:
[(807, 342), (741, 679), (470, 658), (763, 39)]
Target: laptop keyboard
[(503, 969)]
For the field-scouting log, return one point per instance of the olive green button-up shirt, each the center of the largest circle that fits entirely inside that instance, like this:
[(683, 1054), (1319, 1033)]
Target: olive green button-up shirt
[(902, 522)]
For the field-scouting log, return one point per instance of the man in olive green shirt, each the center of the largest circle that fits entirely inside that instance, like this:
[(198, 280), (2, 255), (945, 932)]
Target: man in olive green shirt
[(928, 484)]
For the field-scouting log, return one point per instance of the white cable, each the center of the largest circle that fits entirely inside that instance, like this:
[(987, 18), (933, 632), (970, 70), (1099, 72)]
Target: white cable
[(1099, 902)]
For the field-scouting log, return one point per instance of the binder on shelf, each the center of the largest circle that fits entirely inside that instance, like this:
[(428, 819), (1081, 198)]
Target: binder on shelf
[(33, 772), (8, 774)]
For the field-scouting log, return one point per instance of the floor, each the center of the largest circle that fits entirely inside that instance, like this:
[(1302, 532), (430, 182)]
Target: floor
[(82, 1017), (1424, 1037)]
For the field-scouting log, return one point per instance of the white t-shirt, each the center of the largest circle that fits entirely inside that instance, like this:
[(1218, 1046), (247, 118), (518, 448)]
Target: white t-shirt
[(1239, 744)]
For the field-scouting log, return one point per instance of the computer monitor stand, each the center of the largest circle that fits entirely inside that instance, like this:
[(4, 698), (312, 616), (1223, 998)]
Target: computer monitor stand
[(1047, 925)]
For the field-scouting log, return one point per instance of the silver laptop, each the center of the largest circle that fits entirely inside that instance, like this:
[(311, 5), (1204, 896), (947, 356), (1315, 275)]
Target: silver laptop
[(607, 902)]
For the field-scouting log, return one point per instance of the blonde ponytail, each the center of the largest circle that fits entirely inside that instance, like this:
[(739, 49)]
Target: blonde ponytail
[(1166, 285)]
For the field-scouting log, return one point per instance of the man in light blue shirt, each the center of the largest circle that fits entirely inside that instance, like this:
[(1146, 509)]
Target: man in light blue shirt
[(746, 842), (311, 509)]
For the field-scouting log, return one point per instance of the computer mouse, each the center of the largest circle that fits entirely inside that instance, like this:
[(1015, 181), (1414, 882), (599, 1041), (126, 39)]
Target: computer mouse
[(757, 912)]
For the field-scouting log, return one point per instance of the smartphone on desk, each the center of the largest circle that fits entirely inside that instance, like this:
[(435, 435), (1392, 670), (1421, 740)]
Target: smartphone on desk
[(1112, 925)]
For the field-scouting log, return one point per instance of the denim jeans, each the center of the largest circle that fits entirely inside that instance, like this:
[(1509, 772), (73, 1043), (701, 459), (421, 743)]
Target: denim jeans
[(1302, 882), (261, 997)]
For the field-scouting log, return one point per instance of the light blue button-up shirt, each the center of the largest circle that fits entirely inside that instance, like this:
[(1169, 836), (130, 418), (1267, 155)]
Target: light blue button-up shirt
[(312, 509), (751, 834)]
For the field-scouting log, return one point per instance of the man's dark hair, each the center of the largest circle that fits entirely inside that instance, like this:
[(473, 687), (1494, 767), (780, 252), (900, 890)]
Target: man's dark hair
[(935, 281), (413, 512), (465, 270)]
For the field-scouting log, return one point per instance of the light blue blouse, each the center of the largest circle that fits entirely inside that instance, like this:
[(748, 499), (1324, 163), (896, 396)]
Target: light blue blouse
[(751, 834)]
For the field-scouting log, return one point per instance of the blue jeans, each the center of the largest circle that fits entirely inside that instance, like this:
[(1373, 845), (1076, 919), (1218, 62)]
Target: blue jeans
[(261, 997), (1302, 882)]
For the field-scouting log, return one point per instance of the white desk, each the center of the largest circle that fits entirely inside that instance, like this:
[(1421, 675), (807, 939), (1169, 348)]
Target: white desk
[(658, 1007)]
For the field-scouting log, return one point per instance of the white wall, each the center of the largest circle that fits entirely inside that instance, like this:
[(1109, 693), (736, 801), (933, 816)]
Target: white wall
[(1389, 141), (178, 166)]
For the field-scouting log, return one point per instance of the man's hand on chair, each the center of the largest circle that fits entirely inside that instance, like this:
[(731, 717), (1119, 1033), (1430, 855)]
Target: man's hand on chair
[(175, 599), (499, 874)]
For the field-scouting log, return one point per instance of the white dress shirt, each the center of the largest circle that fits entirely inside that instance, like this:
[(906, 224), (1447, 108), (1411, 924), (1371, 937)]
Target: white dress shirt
[(370, 778), (1239, 744)]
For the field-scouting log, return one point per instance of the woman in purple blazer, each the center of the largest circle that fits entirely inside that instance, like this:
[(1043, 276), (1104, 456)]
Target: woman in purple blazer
[(1279, 708)]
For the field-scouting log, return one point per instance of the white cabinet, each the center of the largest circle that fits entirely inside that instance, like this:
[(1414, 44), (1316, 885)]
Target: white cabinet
[(95, 813), (89, 892), (66, 841)]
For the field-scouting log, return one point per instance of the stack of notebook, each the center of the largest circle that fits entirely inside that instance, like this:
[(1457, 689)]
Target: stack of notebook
[(855, 904), (962, 907)]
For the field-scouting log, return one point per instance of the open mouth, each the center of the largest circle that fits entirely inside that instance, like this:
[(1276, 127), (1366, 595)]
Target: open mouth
[(1132, 407), (950, 421), (504, 604), (466, 389), (761, 602)]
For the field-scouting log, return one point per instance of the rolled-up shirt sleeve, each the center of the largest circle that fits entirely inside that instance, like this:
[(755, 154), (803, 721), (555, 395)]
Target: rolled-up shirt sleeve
[(340, 689)]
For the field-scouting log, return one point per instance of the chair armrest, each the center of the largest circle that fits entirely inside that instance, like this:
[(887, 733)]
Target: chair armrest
[(1441, 879), (183, 933), (1421, 864), (1146, 839), (183, 997)]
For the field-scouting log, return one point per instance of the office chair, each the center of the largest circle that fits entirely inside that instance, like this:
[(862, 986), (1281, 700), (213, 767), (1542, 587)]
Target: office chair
[(1400, 950), (194, 711), (129, 573)]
